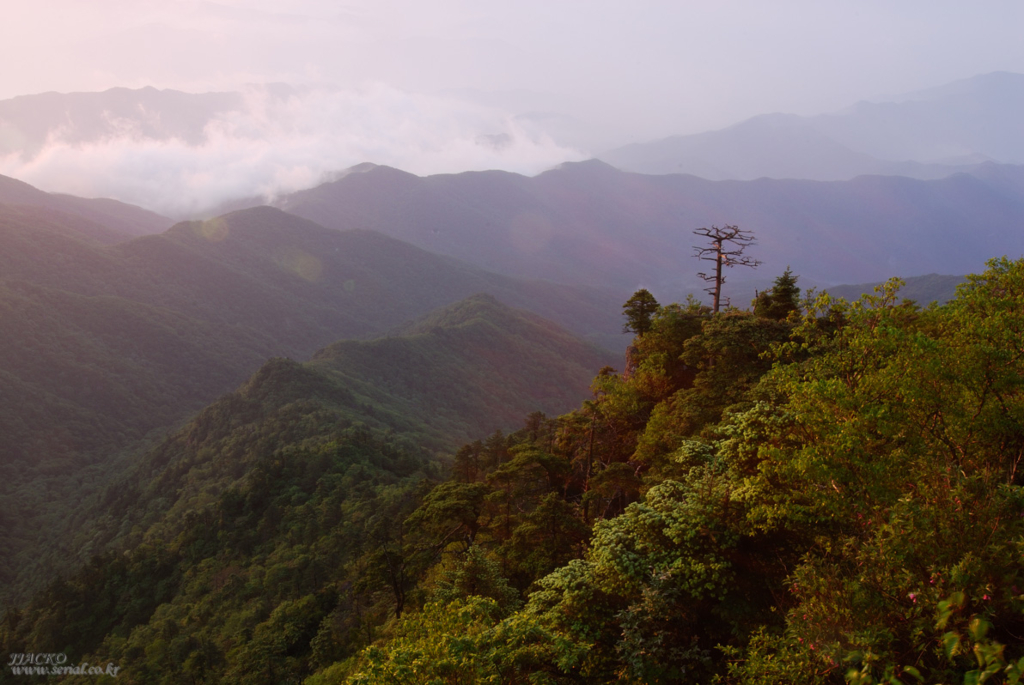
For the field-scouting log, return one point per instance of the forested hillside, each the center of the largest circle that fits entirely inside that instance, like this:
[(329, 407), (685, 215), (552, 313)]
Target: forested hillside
[(467, 370), (814, 492), (134, 336), (851, 515), (106, 346), (335, 446)]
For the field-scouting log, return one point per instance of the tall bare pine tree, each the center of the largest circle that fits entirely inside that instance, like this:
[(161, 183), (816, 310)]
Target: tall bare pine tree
[(726, 249)]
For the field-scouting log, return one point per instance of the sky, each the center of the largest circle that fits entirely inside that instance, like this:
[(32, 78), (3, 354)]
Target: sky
[(561, 80)]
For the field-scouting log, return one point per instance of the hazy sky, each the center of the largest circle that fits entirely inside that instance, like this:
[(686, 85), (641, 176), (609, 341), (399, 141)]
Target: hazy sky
[(419, 83), (631, 70)]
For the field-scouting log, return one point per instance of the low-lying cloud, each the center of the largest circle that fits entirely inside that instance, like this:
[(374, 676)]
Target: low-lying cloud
[(278, 143)]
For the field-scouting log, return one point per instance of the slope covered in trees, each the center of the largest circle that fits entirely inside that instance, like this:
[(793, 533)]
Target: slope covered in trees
[(190, 313), (307, 469), (827, 495), (105, 344), (853, 515), (468, 369)]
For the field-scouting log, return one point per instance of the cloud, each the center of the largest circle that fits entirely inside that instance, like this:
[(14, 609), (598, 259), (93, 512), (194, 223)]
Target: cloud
[(282, 140)]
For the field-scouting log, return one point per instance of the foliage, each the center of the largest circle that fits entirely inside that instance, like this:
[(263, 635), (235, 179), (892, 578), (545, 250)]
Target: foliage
[(852, 514), (460, 642), (638, 311), (109, 347), (474, 575), (782, 300), (830, 496), (284, 510), (280, 572)]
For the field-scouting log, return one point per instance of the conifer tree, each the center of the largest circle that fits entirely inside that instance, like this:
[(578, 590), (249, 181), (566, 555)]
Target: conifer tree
[(783, 298), (639, 310)]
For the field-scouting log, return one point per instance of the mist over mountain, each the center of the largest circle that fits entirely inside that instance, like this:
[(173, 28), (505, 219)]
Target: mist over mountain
[(29, 122), (966, 121), (579, 224), (182, 154), (187, 155), (389, 343), (925, 134), (589, 223)]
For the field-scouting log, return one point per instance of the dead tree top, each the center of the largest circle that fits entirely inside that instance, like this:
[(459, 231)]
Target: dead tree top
[(726, 234), (726, 250)]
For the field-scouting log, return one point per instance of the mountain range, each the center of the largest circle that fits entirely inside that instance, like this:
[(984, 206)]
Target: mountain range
[(118, 324), (832, 196), (102, 219), (28, 121), (246, 446), (926, 134), (590, 224)]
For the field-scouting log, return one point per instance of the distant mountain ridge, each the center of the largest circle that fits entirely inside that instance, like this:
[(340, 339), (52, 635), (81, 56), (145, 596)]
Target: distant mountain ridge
[(27, 121), (923, 290), (589, 223), (102, 219), (927, 134)]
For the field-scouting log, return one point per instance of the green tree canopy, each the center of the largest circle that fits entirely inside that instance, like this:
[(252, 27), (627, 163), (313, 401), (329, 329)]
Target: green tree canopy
[(783, 298), (639, 310)]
